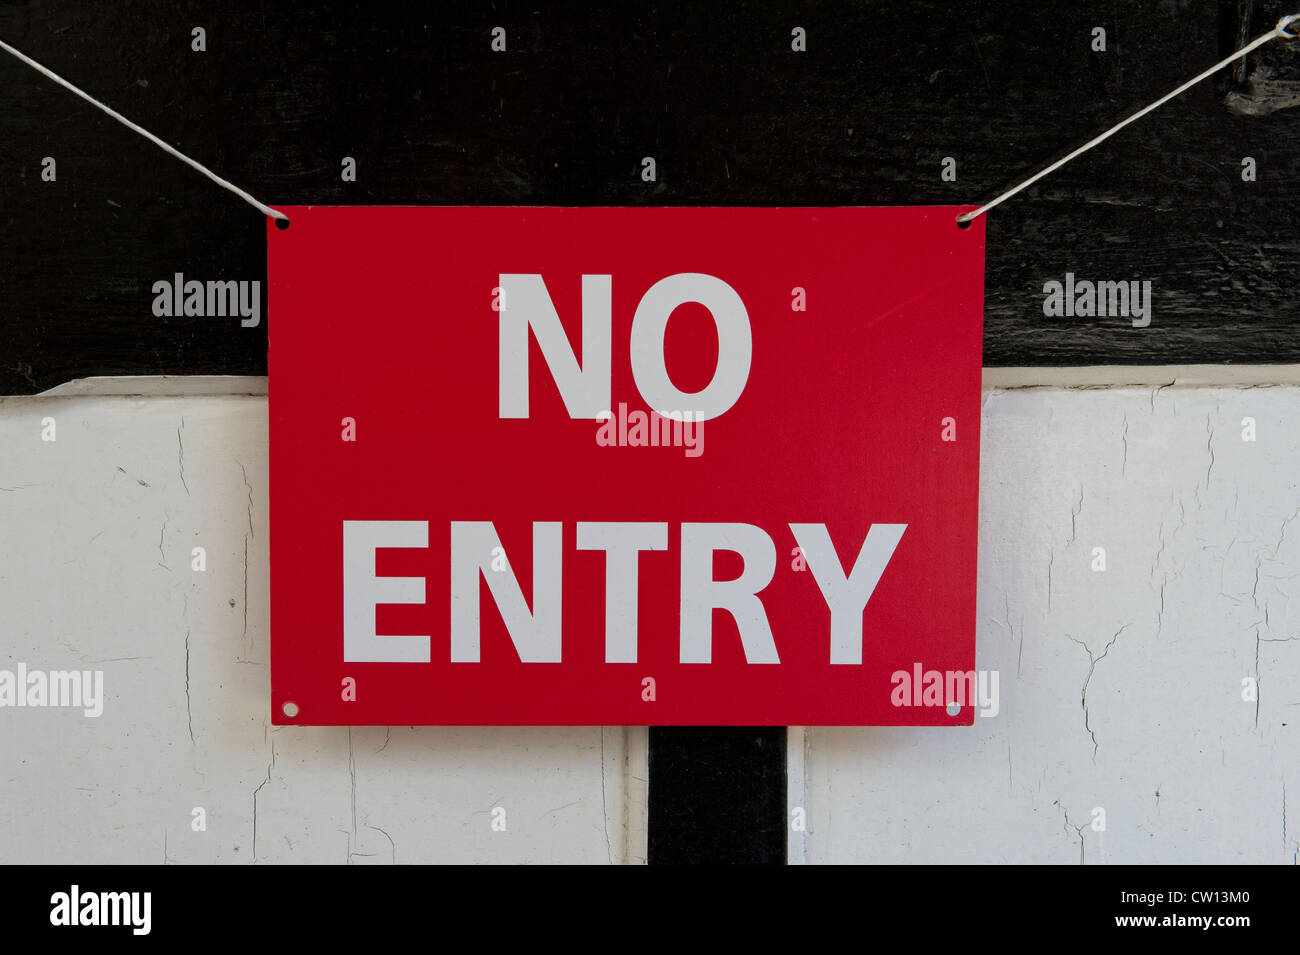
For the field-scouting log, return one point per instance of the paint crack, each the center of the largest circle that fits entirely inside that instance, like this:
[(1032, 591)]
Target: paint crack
[(1092, 669)]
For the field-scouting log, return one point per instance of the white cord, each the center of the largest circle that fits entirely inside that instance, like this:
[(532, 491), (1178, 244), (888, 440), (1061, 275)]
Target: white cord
[(260, 206), (1278, 31)]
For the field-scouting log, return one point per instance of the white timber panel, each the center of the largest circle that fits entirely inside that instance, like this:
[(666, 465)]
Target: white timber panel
[(1125, 691), (99, 527)]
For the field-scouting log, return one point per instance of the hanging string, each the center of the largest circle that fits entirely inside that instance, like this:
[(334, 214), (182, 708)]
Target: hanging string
[(256, 204), (1278, 31), (1275, 33)]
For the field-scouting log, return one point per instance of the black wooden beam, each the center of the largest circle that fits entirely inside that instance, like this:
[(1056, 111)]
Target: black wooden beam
[(717, 795), (732, 116)]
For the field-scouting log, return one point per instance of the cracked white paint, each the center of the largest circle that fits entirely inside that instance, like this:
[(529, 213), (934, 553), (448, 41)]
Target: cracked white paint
[(1120, 689), (95, 573)]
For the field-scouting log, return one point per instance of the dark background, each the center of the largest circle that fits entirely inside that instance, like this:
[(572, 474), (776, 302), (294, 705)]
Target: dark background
[(732, 117), (712, 91)]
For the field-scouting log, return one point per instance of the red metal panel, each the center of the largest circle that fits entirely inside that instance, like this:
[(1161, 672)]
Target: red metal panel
[(388, 316)]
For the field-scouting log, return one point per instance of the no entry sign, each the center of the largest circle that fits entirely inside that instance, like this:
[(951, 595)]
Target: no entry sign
[(624, 466)]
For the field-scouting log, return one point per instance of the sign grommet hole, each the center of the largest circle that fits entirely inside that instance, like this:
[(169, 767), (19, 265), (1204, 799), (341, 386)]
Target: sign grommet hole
[(289, 709), (954, 708)]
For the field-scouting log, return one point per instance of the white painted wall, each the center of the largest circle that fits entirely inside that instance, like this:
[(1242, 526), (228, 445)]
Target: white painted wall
[(95, 573), (1202, 538)]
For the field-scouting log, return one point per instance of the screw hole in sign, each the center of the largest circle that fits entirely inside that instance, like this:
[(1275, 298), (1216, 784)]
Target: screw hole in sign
[(290, 709), (282, 223), (954, 708), (964, 223)]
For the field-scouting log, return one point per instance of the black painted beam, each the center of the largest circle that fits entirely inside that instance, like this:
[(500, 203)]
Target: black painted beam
[(717, 795), (731, 114)]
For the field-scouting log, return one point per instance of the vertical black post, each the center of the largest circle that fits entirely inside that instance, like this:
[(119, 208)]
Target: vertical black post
[(717, 795)]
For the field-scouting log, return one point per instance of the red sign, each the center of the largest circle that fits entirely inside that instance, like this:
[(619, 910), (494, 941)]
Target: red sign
[(624, 466)]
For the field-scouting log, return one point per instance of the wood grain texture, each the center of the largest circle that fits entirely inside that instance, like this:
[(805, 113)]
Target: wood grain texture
[(730, 114)]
